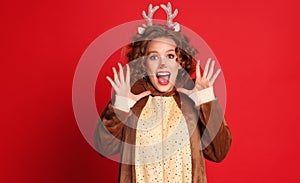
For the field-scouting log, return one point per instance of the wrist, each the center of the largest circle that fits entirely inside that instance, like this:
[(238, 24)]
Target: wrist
[(123, 103), (203, 96)]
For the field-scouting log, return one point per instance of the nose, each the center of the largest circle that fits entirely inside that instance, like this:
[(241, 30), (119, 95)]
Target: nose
[(162, 63)]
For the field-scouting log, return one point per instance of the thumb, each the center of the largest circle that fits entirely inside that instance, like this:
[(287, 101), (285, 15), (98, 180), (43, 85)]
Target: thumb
[(141, 95), (184, 91)]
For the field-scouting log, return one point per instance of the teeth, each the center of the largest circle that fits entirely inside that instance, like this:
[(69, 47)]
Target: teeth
[(163, 74)]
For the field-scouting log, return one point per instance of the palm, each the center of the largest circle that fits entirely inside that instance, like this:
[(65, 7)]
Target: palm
[(122, 86), (204, 81)]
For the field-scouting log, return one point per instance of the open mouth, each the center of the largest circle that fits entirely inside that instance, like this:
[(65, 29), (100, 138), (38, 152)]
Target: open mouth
[(163, 77)]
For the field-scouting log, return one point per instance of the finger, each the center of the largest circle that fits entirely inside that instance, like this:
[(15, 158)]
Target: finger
[(206, 68), (142, 95), (184, 91), (112, 84), (215, 77), (198, 74), (127, 74), (211, 70), (116, 78), (121, 73)]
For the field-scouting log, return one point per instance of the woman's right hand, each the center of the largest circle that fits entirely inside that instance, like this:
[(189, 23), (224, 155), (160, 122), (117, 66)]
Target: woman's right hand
[(122, 86)]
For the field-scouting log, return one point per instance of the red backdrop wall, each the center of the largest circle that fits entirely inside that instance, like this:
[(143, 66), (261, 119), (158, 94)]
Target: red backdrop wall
[(256, 43)]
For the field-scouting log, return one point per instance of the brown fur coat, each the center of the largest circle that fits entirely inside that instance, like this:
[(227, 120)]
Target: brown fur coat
[(112, 136)]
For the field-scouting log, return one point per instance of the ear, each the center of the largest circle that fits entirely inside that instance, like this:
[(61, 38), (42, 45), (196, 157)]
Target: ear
[(179, 66)]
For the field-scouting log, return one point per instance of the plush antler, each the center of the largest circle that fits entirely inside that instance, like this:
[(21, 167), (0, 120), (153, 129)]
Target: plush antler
[(150, 14), (148, 18), (171, 16)]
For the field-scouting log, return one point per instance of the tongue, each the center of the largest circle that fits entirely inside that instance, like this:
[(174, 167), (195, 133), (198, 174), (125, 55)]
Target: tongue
[(163, 80)]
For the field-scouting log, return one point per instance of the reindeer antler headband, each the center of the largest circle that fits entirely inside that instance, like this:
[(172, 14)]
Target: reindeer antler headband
[(168, 10)]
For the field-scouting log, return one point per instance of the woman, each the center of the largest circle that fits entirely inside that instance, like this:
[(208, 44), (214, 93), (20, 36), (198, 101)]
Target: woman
[(158, 116)]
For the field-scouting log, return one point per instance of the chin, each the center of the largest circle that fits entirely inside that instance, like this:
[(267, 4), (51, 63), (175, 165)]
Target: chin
[(164, 89)]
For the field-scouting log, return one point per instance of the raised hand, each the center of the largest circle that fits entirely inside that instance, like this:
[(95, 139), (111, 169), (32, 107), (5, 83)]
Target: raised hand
[(206, 80), (121, 84)]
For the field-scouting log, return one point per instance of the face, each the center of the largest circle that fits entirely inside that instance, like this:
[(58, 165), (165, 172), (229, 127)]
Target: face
[(161, 65)]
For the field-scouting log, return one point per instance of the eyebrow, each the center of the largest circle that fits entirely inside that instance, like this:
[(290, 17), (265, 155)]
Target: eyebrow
[(157, 51)]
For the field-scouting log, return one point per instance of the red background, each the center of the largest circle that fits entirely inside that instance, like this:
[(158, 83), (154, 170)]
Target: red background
[(256, 43)]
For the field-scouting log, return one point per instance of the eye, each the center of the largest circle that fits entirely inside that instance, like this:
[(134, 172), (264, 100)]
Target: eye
[(154, 57), (170, 56)]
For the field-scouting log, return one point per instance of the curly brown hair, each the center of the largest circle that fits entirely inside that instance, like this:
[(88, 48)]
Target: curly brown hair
[(184, 51)]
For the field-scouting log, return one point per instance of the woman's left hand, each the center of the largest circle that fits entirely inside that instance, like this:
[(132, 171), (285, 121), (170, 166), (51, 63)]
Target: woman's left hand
[(204, 81)]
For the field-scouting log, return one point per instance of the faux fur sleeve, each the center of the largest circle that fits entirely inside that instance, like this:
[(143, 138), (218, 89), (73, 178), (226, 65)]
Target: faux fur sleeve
[(109, 130), (213, 126)]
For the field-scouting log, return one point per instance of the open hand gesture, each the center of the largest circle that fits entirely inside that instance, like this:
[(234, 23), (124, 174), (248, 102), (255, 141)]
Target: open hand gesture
[(121, 85), (205, 81)]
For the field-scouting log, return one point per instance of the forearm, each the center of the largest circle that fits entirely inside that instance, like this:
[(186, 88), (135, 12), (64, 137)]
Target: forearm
[(109, 130), (216, 137)]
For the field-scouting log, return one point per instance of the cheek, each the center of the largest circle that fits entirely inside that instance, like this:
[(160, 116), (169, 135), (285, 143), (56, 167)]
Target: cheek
[(174, 73), (174, 65), (174, 69), (151, 66)]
